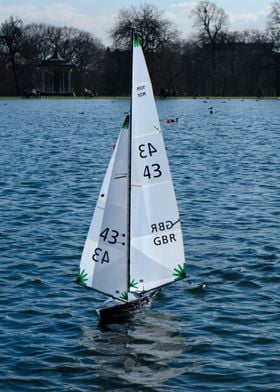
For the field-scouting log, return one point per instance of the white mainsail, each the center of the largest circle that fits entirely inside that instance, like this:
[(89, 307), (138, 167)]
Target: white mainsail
[(157, 251), (104, 260)]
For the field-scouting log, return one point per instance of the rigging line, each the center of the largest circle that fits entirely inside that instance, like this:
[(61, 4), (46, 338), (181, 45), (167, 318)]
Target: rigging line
[(165, 284), (129, 165), (174, 223), (148, 134), (103, 292)]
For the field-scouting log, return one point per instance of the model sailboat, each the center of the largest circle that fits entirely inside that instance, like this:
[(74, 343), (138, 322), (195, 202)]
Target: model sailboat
[(134, 245)]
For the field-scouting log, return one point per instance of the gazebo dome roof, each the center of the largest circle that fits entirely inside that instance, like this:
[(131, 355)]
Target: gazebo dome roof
[(55, 60)]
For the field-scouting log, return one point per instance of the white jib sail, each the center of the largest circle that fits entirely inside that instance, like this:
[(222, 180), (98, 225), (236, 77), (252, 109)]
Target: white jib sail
[(104, 260), (157, 251)]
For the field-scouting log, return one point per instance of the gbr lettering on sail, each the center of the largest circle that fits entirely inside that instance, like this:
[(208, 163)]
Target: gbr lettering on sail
[(160, 230)]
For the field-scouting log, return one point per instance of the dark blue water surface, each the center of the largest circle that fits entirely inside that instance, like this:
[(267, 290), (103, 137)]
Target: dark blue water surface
[(217, 331)]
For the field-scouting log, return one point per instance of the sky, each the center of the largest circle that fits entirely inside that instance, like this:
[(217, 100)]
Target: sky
[(98, 16)]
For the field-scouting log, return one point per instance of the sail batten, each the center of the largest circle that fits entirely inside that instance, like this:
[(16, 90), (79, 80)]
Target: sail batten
[(155, 184), (147, 134)]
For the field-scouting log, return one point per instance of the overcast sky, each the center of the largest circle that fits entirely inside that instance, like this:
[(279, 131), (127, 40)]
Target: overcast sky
[(97, 16)]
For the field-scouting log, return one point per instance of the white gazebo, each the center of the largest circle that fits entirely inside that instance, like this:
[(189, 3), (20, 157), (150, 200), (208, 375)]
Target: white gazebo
[(56, 75)]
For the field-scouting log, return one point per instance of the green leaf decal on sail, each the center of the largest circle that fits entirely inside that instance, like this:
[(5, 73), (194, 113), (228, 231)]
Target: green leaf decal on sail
[(134, 284), (136, 41), (126, 122), (179, 272), (124, 296), (82, 277)]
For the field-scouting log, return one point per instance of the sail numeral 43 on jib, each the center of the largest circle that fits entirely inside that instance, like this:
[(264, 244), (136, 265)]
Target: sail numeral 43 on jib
[(111, 237), (100, 256)]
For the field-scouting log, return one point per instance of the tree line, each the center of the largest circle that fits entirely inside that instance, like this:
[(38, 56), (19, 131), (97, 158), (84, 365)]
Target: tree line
[(213, 61)]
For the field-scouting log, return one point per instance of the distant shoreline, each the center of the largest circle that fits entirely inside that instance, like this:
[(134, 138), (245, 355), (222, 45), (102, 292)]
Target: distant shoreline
[(127, 97)]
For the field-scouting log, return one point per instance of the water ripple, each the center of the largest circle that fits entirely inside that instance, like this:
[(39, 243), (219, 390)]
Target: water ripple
[(216, 331)]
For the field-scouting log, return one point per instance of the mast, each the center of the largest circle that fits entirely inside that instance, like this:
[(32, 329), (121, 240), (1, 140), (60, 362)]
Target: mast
[(129, 167)]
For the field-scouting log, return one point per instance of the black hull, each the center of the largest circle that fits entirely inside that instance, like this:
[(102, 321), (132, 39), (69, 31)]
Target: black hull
[(126, 309)]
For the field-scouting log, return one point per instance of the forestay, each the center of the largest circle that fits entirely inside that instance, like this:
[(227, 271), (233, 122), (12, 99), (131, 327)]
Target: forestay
[(157, 252)]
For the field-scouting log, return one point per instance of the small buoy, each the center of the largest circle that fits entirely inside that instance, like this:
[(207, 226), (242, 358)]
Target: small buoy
[(171, 120)]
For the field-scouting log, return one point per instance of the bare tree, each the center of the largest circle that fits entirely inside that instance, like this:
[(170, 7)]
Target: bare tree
[(86, 52), (273, 26), (211, 22), (10, 35), (82, 49), (154, 30), (273, 33), (40, 40)]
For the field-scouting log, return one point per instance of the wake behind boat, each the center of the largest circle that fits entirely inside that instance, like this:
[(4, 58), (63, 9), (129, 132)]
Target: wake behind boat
[(135, 245)]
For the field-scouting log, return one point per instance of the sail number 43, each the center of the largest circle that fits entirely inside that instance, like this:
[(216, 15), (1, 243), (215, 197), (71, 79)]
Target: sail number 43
[(100, 256), (111, 237), (146, 150)]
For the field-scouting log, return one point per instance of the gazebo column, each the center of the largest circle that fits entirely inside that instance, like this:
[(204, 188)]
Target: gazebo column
[(69, 81), (43, 86), (61, 82)]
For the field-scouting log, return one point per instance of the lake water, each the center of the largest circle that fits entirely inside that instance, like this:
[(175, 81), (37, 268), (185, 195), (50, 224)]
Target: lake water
[(216, 331)]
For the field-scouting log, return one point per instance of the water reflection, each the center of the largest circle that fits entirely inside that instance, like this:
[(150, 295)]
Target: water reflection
[(140, 351)]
